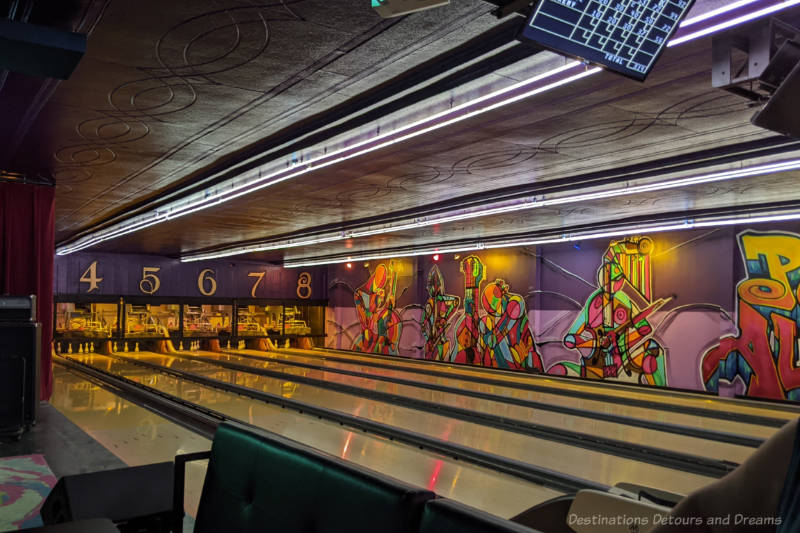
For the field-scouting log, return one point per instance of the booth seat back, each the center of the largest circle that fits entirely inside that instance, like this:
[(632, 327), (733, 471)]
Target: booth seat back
[(448, 516), (261, 482)]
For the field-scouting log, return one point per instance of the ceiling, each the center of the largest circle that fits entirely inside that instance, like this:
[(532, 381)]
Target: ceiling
[(172, 95)]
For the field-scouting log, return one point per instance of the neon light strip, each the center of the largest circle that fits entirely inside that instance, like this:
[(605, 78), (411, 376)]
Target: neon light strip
[(733, 22), (353, 151), (685, 224), (714, 12), (531, 204)]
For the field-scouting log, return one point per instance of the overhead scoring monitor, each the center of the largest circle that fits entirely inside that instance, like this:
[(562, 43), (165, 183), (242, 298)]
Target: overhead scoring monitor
[(626, 36)]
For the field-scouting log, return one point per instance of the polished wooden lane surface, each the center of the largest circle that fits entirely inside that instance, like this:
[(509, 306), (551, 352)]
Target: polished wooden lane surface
[(611, 388), (496, 493), (579, 462)]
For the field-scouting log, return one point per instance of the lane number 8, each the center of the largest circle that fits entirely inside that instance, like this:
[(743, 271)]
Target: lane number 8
[(304, 286)]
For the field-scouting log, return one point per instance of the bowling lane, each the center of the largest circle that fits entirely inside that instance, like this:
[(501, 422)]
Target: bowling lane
[(621, 432), (496, 493), (132, 433), (579, 462), (616, 389), (642, 413)]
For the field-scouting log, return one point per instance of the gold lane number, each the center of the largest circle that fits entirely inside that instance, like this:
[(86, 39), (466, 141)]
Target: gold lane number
[(150, 283), (90, 277), (304, 286), (259, 278), (207, 276)]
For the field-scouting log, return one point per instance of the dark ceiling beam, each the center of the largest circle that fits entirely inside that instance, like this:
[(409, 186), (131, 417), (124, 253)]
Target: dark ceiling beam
[(319, 126), (507, 7), (25, 96), (26, 179)]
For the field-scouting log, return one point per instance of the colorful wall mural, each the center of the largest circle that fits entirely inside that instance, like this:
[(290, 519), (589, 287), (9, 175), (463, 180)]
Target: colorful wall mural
[(613, 332), (712, 310), (493, 329), (763, 355), (381, 325), (439, 308)]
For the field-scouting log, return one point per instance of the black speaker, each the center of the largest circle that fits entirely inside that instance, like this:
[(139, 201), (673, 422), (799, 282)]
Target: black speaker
[(136, 499), (21, 341), (12, 396), (18, 308), (39, 50), (781, 113)]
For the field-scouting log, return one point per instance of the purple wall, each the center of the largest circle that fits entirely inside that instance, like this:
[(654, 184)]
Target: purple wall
[(663, 308), (123, 275)]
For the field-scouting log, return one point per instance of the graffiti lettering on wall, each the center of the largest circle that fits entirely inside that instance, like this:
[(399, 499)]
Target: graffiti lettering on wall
[(613, 333), (381, 324), (764, 354), (493, 329)]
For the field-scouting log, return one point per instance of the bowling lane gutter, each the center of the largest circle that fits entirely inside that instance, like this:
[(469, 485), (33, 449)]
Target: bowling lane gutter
[(745, 418), (676, 460), (707, 434), (199, 419)]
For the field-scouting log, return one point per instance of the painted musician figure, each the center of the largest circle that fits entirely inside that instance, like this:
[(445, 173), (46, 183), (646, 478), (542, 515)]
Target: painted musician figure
[(466, 328), (380, 323), (499, 337), (439, 307), (613, 333), (506, 338)]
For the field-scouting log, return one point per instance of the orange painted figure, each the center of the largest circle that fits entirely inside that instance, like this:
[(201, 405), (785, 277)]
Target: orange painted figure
[(500, 335), (375, 302), (506, 338)]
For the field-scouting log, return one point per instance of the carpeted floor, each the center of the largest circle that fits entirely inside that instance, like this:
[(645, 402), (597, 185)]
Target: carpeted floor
[(25, 481)]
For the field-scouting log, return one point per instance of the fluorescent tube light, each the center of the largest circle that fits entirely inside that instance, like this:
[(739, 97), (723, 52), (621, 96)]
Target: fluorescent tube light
[(680, 225), (532, 203), (747, 17)]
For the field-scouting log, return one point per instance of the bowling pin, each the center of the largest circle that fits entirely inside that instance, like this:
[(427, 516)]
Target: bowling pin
[(229, 344), (114, 348), (288, 345), (136, 348), (180, 346), (125, 348), (91, 347), (58, 347), (70, 348), (80, 348)]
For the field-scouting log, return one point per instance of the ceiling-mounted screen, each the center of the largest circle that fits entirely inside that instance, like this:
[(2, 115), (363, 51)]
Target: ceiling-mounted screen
[(626, 36)]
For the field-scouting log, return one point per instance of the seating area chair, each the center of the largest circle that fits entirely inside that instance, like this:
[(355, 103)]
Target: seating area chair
[(261, 482)]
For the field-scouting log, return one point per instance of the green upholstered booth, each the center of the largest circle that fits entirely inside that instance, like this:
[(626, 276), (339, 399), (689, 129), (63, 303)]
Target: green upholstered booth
[(257, 481), (448, 516)]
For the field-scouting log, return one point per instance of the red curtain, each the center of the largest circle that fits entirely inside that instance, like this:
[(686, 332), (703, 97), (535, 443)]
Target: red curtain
[(27, 251)]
